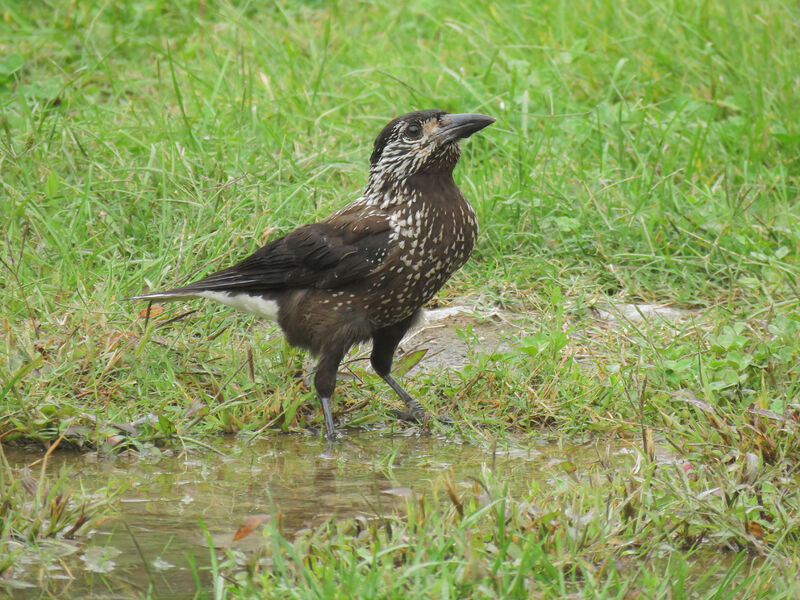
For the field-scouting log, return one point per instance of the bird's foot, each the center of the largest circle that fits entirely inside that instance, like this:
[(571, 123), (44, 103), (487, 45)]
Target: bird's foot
[(422, 417), (446, 418), (414, 411), (412, 416)]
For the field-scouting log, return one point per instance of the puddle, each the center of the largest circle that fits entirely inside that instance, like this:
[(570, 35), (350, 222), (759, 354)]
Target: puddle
[(157, 535), (294, 476)]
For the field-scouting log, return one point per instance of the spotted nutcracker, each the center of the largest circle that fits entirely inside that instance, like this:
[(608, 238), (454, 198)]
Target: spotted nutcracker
[(365, 271)]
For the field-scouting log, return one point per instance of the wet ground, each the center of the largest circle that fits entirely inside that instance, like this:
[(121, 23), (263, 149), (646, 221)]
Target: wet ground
[(451, 334), (298, 477), (158, 533), (469, 326)]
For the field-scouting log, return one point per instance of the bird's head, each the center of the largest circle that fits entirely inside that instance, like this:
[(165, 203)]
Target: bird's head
[(425, 141)]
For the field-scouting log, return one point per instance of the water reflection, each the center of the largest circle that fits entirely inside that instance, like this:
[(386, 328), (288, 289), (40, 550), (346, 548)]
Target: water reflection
[(301, 478)]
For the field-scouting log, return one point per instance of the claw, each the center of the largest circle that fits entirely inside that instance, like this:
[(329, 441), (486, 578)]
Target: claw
[(406, 415)]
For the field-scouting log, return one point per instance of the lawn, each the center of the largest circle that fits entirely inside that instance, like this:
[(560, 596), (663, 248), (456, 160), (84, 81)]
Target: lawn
[(645, 152)]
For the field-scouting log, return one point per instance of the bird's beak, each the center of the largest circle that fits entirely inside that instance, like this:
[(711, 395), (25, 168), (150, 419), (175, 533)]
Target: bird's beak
[(462, 125)]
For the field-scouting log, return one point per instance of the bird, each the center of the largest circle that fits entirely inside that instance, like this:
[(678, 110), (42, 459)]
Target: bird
[(366, 271)]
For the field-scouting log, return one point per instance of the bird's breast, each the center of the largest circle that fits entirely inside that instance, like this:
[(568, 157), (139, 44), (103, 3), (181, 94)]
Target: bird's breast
[(430, 241)]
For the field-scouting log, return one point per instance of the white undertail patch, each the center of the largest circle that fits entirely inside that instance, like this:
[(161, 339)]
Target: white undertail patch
[(255, 305)]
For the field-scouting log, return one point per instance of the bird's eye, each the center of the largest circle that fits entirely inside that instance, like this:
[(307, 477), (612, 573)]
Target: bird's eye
[(413, 131)]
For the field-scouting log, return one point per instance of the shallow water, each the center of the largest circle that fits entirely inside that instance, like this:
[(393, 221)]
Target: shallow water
[(299, 477), (157, 535)]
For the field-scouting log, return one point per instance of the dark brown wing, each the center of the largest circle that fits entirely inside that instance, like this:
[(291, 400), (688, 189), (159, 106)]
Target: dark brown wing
[(329, 254)]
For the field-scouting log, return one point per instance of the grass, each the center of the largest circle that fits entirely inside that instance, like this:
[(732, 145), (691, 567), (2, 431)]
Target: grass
[(40, 516), (480, 542), (644, 152)]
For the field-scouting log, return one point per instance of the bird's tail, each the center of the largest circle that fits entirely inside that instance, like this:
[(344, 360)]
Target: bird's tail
[(261, 305), (169, 295)]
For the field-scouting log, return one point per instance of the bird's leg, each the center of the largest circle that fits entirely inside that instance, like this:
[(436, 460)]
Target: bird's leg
[(414, 410), (330, 428), (325, 383), (384, 344)]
